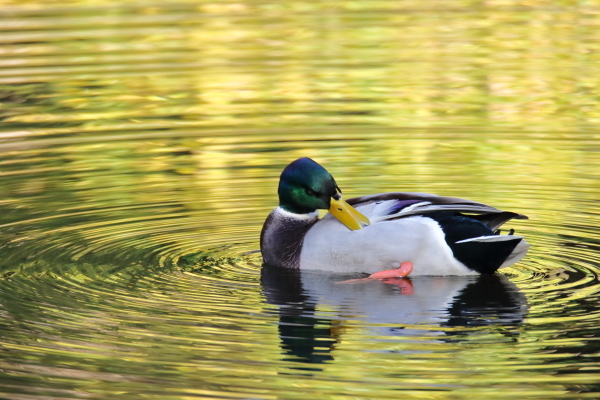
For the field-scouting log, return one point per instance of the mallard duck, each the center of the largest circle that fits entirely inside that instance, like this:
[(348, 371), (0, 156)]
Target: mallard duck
[(436, 235)]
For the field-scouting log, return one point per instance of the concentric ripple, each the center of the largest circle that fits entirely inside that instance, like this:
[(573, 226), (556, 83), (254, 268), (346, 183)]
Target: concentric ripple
[(151, 286)]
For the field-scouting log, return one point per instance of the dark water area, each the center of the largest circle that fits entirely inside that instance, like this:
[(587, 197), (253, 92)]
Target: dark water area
[(140, 150)]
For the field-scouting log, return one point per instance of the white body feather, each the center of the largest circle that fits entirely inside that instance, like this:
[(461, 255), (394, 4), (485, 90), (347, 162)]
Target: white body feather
[(330, 246)]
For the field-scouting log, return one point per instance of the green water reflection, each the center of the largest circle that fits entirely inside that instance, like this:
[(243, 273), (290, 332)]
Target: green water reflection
[(141, 145)]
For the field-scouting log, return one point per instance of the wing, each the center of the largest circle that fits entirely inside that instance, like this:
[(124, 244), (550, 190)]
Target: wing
[(395, 205)]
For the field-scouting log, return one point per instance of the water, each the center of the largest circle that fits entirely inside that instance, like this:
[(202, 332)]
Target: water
[(141, 147)]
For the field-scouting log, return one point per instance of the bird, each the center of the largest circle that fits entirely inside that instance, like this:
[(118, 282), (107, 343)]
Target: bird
[(392, 234)]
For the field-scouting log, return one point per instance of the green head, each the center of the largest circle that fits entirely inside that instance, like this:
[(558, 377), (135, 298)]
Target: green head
[(305, 186)]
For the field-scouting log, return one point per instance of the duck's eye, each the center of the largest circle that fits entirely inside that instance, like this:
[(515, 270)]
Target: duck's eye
[(310, 192)]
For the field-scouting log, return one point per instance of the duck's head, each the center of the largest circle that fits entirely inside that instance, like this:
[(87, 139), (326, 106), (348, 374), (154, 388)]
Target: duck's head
[(305, 186)]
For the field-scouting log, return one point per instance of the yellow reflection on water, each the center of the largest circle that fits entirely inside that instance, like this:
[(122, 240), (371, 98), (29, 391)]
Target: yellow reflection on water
[(352, 62)]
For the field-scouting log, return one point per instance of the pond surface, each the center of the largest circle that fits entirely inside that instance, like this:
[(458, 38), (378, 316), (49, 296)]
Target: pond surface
[(141, 145)]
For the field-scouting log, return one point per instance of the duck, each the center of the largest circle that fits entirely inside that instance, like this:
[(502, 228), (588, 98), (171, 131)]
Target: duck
[(392, 234)]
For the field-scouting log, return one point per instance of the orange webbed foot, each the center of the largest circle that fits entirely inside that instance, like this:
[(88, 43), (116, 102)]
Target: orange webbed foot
[(402, 272), (388, 276)]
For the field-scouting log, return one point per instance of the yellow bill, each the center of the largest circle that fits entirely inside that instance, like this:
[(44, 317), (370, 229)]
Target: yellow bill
[(348, 215)]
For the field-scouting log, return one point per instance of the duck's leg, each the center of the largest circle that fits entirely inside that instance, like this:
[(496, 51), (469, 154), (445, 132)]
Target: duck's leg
[(401, 272), (396, 277)]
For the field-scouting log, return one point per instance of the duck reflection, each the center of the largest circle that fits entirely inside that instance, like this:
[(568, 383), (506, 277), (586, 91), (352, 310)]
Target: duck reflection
[(386, 308)]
